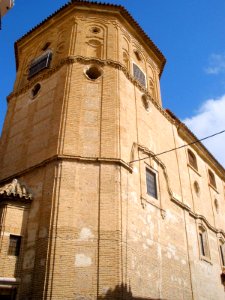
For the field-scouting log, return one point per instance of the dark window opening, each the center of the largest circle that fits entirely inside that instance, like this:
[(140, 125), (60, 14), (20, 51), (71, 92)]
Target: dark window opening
[(14, 245), (46, 46), (192, 159), (93, 73), (139, 75), (212, 180), (36, 89), (222, 252), (137, 54), (151, 183), (40, 63), (202, 244)]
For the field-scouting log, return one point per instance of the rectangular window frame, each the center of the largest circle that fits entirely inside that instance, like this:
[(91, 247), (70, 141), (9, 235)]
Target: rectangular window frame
[(222, 253), (40, 63), (14, 244), (204, 250), (143, 84), (149, 188)]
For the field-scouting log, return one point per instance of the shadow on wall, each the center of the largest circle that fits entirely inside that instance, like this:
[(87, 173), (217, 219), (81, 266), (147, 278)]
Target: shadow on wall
[(122, 292)]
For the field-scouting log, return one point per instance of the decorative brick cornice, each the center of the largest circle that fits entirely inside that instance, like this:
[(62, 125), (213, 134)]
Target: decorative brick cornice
[(57, 158), (111, 8), (85, 60)]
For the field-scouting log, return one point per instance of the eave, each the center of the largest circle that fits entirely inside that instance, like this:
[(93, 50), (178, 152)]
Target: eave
[(188, 136)]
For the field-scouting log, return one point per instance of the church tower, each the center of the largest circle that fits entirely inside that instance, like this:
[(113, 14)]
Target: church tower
[(82, 217)]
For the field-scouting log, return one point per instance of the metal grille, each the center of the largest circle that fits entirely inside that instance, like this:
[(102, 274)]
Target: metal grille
[(14, 245), (40, 63), (139, 75), (151, 183)]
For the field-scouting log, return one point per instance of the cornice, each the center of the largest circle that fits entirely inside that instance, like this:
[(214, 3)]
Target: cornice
[(172, 195), (105, 7), (182, 129), (61, 157), (15, 191), (187, 135), (84, 60)]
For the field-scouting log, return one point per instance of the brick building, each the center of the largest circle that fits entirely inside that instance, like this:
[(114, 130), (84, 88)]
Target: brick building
[(88, 210)]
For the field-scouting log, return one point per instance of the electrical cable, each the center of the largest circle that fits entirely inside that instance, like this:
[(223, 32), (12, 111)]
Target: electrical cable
[(173, 149)]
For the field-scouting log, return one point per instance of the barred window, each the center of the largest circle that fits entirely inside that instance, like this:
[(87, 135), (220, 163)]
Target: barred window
[(151, 183), (192, 159), (14, 245), (139, 75), (212, 179), (40, 63)]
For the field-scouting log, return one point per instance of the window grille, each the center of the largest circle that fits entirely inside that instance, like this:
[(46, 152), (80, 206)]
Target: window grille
[(192, 159), (139, 75), (14, 245), (40, 63), (151, 183)]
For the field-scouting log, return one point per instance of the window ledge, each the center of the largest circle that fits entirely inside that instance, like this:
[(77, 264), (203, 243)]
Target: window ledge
[(196, 171), (151, 200), (213, 187), (206, 259)]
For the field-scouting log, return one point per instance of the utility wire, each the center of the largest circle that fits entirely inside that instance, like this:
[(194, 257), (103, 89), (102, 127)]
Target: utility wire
[(173, 149)]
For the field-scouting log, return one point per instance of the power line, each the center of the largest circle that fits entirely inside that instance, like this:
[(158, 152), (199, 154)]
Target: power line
[(173, 149)]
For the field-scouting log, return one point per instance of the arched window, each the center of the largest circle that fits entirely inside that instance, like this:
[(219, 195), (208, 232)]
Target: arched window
[(192, 159), (203, 242), (212, 180)]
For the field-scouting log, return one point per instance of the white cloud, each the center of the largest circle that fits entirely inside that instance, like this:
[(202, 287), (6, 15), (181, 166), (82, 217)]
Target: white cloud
[(210, 119), (216, 64)]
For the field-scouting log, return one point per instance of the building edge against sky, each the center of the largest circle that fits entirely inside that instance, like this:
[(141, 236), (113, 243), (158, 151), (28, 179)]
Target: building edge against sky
[(88, 210), (5, 5)]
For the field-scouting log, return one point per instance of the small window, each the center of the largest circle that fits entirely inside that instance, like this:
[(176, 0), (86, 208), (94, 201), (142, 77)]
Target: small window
[(93, 72), (14, 245), (40, 63), (203, 241), (197, 188), (139, 75), (151, 183), (222, 253), (35, 90), (45, 47), (192, 159), (137, 54), (212, 179)]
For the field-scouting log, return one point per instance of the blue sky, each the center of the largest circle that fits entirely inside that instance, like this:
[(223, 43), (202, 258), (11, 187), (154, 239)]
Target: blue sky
[(189, 33)]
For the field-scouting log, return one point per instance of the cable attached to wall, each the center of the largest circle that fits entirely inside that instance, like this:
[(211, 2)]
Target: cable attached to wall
[(173, 149)]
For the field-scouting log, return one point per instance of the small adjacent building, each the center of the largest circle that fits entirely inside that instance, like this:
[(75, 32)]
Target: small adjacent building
[(90, 208)]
